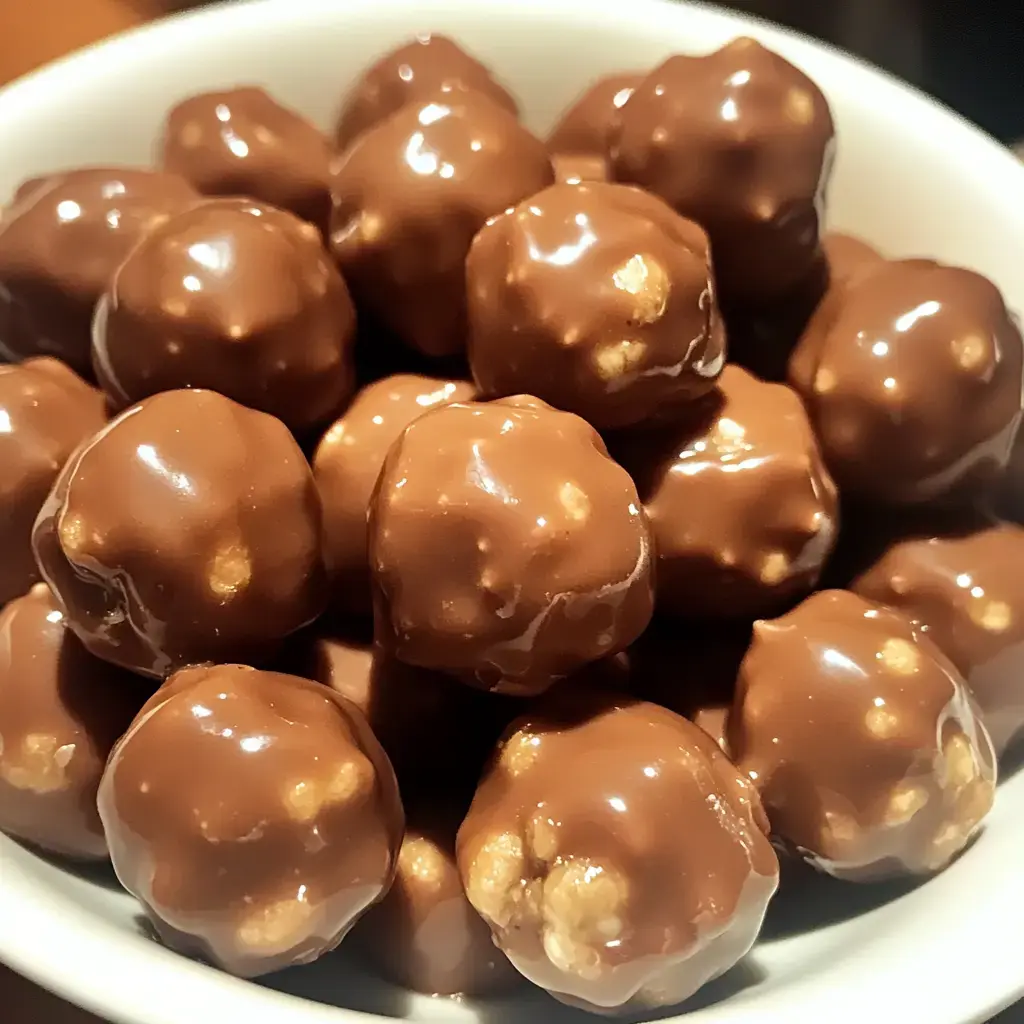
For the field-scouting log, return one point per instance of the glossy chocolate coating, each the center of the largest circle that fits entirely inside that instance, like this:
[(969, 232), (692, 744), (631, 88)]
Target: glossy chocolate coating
[(234, 296), (242, 142), (410, 195), (848, 256), (45, 411), (597, 298), (423, 66), (861, 738), (187, 530), (575, 168), (60, 243), (61, 712), (966, 591), (253, 814), (912, 377), (348, 461), (743, 510), (506, 547), (573, 854), (740, 141), (589, 124)]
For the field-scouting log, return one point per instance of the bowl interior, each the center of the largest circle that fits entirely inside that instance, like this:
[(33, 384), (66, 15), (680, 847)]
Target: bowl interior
[(910, 177)]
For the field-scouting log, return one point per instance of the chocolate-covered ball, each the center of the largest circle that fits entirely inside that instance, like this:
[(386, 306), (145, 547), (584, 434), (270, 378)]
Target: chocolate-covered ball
[(506, 546), (187, 530), (428, 63), (740, 141), (410, 195), (589, 124), (597, 298), (848, 256), (348, 461), (61, 712), (618, 857), (253, 814), (912, 377), (234, 296), (45, 411), (61, 241), (861, 738), (965, 589), (242, 142), (743, 510)]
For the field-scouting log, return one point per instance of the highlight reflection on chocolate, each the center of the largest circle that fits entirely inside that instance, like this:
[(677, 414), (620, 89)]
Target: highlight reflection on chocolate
[(589, 124)]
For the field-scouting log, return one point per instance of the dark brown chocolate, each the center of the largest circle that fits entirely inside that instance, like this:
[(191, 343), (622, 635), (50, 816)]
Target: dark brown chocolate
[(187, 530), (597, 298), (242, 142), (589, 124), (61, 712), (61, 241), (861, 738), (912, 376), (234, 296), (506, 547), (410, 195), (253, 814), (740, 141), (45, 411), (571, 854)]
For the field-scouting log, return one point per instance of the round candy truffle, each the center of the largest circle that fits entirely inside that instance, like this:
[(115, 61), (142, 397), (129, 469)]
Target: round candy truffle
[(234, 296), (423, 66), (348, 461), (45, 411), (597, 298), (61, 241), (740, 141), (253, 814), (861, 738), (848, 256), (913, 378), (242, 142), (574, 855), (410, 195), (187, 530), (743, 510), (589, 125), (966, 590), (506, 546), (61, 712)]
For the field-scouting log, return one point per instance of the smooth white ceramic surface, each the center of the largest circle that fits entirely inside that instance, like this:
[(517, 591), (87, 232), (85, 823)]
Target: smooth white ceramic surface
[(911, 177)]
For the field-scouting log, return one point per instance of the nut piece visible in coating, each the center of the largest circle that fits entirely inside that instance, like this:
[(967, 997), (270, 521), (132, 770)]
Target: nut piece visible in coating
[(912, 377), (410, 195), (61, 712), (597, 298), (234, 296), (574, 855), (862, 739), (253, 814), (506, 546), (45, 411), (187, 530)]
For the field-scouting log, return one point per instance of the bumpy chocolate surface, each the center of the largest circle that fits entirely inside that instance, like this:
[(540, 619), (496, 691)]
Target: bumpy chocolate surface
[(423, 66), (743, 510), (861, 738), (410, 195), (253, 814), (348, 461), (242, 142), (61, 241), (912, 377), (597, 298), (45, 411), (566, 854), (506, 547), (590, 123), (234, 296), (187, 530), (965, 589), (61, 712), (741, 142)]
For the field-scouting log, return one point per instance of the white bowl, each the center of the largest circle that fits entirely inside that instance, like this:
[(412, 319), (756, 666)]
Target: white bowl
[(911, 177)]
